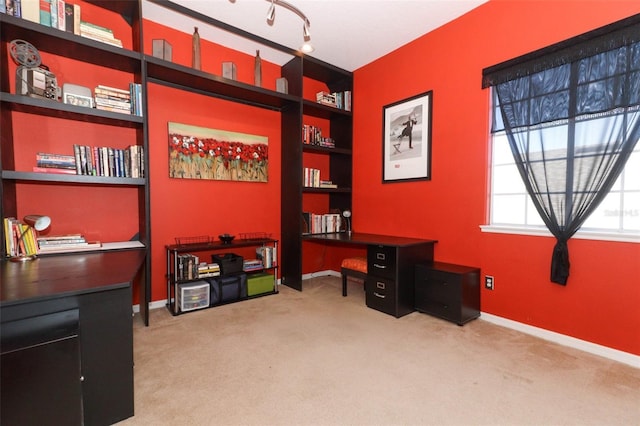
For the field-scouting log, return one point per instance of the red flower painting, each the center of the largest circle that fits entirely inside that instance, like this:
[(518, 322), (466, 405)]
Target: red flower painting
[(201, 153)]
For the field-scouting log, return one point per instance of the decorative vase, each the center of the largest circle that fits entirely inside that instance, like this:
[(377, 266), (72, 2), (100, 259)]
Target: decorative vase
[(195, 58), (258, 69)]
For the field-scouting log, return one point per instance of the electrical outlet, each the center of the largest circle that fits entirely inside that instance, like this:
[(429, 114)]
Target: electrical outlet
[(489, 282)]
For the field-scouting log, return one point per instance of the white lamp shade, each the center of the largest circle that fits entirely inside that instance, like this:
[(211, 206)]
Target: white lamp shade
[(37, 221)]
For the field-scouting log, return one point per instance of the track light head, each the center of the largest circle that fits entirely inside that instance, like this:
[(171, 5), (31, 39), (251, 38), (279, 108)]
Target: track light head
[(271, 14), (306, 33)]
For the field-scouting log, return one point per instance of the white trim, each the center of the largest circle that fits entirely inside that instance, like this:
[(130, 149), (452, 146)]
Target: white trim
[(320, 274), (540, 232), (583, 345)]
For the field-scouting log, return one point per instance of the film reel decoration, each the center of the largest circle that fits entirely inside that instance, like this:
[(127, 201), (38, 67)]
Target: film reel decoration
[(24, 53)]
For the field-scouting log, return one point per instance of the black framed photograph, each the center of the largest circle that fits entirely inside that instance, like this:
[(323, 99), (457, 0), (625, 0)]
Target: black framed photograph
[(406, 135)]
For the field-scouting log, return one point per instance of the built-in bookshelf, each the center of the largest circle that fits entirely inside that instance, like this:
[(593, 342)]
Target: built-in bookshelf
[(114, 42), (336, 119), (28, 180)]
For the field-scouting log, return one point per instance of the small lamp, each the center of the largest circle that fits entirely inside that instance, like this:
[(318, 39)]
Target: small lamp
[(37, 222), (347, 215)]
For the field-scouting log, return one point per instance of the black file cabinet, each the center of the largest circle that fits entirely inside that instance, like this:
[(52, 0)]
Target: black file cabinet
[(390, 276), (448, 291)]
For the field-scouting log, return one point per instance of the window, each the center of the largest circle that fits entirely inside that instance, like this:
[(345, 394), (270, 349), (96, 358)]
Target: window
[(571, 116), (617, 216)]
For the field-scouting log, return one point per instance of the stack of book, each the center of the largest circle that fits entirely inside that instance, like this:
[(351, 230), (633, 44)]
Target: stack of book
[(206, 270), (340, 100), (20, 238), (98, 33), (55, 163), (113, 99), (327, 184), (64, 243), (249, 265)]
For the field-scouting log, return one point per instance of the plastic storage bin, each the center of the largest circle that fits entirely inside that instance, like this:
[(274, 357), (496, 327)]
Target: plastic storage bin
[(192, 296)]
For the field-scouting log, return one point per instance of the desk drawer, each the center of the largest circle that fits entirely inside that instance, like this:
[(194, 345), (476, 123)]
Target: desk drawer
[(381, 295), (381, 261)]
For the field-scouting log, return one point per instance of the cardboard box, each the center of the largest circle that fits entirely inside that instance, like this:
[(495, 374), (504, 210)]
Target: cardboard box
[(259, 283)]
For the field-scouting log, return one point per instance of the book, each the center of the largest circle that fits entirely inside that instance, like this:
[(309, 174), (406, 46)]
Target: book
[(69, 13), (60, 237), (93, 245), (62, 22), (96, 29), (31, 10), (54, 13), (45, 12), (76, 19), (54, 170)]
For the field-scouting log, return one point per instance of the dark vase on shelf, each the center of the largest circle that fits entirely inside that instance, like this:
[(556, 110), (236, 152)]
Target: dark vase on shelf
[(195, 58), (258, 69)]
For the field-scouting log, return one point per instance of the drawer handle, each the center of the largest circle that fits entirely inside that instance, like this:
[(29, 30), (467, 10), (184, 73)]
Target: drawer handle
[(380, 256), (380, 285), (381, 296), (379, 266)]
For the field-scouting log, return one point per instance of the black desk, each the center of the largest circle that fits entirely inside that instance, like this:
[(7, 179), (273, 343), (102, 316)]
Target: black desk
[(391, 265), (67, 338)]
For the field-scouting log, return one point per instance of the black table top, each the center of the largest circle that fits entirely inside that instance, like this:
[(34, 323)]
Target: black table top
[(50, 277), (359, 238)]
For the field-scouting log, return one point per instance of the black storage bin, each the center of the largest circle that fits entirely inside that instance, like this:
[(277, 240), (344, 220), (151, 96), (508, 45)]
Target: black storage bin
[(227, 289), (229, 263)]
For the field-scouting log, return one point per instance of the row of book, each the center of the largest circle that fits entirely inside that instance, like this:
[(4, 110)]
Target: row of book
[(59, 14), (311, 179), (340, 100), (20, 238), (189, 267), (321, 223), (267, 255), (119, 100), (94, 161), (312, 135)]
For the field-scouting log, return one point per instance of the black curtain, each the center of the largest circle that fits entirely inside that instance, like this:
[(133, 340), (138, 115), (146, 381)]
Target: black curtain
[(571, 113)]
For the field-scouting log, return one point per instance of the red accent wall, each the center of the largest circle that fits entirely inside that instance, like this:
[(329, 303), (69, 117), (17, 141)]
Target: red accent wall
[(191, 207), (600, 302)]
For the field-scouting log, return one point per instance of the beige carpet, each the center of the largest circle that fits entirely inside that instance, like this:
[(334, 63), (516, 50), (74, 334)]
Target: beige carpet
[(316, 358)]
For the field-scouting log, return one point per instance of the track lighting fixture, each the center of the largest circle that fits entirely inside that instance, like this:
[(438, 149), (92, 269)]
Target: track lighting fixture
[(306, 33)]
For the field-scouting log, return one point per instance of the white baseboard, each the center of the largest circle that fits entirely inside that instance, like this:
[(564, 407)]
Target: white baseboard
[(328, 272), (583, 345)]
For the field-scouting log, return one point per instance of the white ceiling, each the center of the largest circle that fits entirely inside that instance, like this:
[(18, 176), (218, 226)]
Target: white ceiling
[(345, 33)]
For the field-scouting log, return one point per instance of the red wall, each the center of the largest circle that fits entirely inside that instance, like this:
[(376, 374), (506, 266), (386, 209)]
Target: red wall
[(191, 207), (600, 302)]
